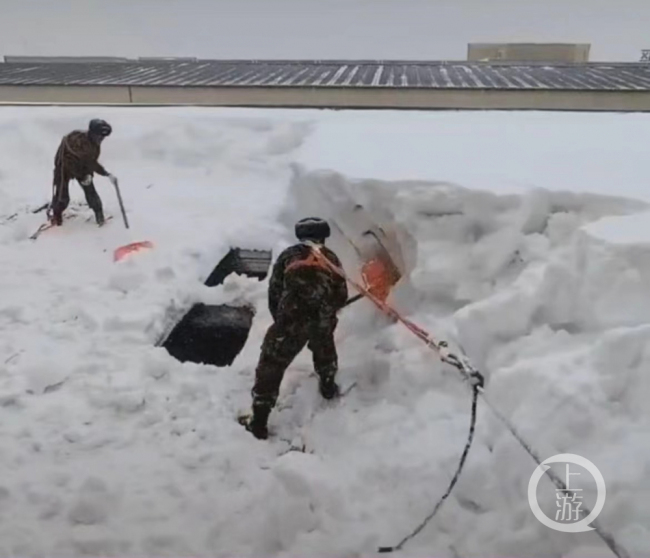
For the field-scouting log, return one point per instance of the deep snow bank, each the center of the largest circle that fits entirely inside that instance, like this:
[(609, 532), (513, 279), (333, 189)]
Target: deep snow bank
[(110, 447), (557, 319)]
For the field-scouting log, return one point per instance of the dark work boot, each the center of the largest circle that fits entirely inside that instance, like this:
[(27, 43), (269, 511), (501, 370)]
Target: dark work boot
[(94, 202), (257, 428), (56, 218), (257, 423), (329, 389)]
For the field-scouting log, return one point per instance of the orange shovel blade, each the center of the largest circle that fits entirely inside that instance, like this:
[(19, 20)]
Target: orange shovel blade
[(127, 249), (379, 277)]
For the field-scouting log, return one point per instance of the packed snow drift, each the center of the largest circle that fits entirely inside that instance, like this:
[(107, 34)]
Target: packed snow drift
[(504, 227)]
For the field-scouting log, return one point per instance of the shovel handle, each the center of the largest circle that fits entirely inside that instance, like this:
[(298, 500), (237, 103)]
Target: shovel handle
[(352, 299), (119, 199)]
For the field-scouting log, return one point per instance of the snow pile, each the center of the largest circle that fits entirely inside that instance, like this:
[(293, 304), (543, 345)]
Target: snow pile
[(111, 447), (501, 151), (558, 321)]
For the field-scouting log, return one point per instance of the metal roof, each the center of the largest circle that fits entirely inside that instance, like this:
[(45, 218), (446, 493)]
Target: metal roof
[(296, 73)]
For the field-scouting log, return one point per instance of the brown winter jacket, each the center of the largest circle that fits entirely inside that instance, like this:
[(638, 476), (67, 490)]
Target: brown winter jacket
[(77, 157)]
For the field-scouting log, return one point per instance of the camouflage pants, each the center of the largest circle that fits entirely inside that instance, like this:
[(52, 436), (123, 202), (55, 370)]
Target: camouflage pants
[(282, 343), (61, 195)]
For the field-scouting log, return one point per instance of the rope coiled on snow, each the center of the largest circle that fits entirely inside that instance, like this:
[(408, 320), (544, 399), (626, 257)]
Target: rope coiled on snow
[(453, 482)]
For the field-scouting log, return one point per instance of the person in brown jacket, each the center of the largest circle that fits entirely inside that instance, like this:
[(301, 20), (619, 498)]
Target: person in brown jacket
[(77, 158)]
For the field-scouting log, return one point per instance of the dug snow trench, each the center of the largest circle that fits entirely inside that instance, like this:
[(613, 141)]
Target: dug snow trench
[(112, 447)]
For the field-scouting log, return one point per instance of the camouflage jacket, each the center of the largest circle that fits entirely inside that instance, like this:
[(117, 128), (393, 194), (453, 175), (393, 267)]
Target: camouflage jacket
[(305, 288), (77, 157)]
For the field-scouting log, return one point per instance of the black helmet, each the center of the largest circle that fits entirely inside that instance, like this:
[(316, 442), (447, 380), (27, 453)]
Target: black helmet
[(100, 128), (312, 228)]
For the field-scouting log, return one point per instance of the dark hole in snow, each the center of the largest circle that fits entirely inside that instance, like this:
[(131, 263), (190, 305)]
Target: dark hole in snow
[(211, 334), (252, 263), (216, 334)]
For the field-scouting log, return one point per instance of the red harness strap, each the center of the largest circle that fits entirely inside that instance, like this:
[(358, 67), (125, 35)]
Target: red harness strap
[(310, 261)]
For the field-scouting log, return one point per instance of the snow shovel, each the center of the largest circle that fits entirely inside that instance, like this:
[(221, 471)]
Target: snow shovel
[(127, 249), (380, 274)]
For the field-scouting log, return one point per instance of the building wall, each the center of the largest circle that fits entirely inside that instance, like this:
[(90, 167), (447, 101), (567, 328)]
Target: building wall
[(331, 97), (71, 94)]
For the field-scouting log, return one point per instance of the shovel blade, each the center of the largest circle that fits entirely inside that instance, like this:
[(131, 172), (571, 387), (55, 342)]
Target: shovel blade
[(127, 249), (379, 273), (379, 277)]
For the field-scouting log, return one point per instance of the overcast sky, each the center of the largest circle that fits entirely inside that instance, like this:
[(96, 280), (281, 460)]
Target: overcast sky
[(369, 29)]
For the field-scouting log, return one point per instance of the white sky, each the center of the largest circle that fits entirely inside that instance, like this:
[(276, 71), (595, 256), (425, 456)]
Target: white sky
[(371, 29)]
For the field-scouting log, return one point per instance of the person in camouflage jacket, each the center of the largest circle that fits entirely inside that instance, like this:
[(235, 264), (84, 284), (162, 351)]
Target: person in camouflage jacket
[(304, 298), (77, 158)]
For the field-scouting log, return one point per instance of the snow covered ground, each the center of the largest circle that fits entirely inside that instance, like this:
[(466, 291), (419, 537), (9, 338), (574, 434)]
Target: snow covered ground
[(512, 229)]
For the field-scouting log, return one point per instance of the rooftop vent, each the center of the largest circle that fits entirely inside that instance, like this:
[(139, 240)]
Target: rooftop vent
[(528, 52)]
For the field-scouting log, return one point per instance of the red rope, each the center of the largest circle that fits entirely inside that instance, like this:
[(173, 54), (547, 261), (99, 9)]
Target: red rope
[(382, 305), (441, 347)]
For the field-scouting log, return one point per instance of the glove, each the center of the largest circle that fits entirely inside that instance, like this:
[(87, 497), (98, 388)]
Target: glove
[(113, 179)]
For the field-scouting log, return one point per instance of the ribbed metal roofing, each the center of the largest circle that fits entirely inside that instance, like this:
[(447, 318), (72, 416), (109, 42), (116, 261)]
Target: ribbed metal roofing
[(391, 74)]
